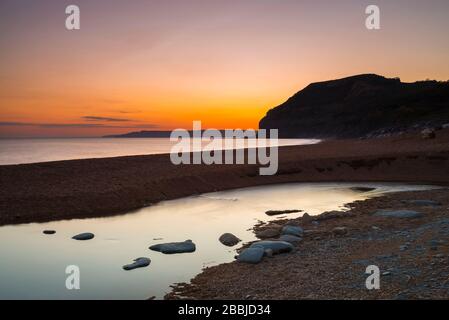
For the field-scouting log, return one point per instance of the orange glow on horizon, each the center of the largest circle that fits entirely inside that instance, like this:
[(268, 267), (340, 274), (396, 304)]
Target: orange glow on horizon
[(159, 65)]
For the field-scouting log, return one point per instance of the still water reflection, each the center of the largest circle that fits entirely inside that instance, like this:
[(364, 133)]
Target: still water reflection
[(32, 265)]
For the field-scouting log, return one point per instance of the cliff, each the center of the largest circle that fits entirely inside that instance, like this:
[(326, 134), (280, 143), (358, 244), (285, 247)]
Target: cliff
[(360, 106)]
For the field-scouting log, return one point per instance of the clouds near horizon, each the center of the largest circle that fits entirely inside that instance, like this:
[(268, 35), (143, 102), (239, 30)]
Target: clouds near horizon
[(169, 62)]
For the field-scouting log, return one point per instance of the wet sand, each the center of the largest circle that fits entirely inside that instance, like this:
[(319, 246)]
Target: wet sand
[(103, 187)]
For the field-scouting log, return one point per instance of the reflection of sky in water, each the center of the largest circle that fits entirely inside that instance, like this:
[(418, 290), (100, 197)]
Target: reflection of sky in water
[(15, 151), (32, 265)]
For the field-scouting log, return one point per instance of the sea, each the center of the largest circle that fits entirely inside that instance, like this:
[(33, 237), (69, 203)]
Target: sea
[(21, 151)]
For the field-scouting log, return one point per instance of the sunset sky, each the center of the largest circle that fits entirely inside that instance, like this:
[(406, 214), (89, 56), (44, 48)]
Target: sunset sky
[(160, 64)]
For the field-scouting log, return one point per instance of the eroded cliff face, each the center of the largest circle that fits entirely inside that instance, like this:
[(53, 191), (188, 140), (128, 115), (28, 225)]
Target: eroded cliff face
[(360, 106)]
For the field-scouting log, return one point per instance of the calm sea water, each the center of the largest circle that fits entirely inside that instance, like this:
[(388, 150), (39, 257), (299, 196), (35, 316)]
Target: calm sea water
[(17, 151), (32, 265)]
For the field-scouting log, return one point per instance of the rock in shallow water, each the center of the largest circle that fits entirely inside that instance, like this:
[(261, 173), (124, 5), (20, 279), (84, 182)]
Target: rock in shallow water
[(398, 214), (278, 212), (362, 189), (293, 230), (84, 236), (138, 263), (276, 246), (251, 255), (228, 239), (174, 247), (49, 231)]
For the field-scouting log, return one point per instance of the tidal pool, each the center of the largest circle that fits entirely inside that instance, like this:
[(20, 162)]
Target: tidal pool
[(33, 265)]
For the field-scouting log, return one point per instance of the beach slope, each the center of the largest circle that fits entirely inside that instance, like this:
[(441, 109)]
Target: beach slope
[(102, 187)]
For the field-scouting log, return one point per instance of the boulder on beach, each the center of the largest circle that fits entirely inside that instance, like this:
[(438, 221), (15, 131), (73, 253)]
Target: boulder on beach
[(268, 233), (228, 239), (174, 247), (293, 230), (423, 203), (294, 240), (275, 245), (334, 214), (138, 263), (251, 255), (398, 214), (306, 216), (278, 212), (49, 232), (84, 236)]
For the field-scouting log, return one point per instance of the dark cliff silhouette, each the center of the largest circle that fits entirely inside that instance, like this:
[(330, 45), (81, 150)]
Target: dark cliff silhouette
[(360, 106)]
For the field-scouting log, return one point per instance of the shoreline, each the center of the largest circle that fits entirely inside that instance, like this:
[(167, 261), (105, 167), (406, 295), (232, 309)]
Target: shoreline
[(324, 265), (91, 188), (412, 255)]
